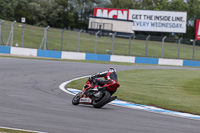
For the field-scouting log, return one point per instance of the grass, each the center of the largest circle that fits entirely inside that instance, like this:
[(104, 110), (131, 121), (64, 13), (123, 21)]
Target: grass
[(33, 38), (4, 130), (177, 90)]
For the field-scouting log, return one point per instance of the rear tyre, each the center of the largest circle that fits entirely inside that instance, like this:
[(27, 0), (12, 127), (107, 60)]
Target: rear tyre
[(100, 103), (76, 99)]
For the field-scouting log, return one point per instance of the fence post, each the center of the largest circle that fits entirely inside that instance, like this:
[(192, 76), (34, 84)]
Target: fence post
[(12, 27), (129, 52), (10, 38), (179, 43), (113, 37), (147, 39), (0, 31), (23, 26), (163, 40), (194, 48), (44, 41), (61, 49), (79, 34), (95, 50)]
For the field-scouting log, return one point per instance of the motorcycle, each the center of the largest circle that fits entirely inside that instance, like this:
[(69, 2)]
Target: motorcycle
[(96, 98)]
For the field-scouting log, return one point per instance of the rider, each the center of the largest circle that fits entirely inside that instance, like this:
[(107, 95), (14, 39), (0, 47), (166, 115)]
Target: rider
[(109, 76)]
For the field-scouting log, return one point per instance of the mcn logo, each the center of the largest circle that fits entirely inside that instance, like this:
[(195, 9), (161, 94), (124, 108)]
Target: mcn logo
[(198, 30), (112, 13)]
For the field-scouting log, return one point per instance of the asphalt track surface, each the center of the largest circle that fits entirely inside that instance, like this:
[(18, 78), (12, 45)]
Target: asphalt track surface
[(30, 99)]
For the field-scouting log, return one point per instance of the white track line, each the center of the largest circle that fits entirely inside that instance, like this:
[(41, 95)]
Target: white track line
[(133, 105), (62, 86), (22, 130)]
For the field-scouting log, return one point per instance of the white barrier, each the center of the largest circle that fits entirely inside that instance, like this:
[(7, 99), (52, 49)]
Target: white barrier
[(23, 51), (82, 56), (73, 55), (117, 58), (173, 62)]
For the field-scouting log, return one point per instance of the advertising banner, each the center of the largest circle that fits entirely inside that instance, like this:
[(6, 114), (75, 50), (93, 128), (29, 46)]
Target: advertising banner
[(148, 20), (158, 21), (197, 30), (112, 13)]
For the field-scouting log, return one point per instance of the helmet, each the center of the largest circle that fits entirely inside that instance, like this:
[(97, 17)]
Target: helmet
[(112, 69)]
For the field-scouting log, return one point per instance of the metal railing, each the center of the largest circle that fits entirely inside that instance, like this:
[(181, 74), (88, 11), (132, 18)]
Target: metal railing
[(92, 42)]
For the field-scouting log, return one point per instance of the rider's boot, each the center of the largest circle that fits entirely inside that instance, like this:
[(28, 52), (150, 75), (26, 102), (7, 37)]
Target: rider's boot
[(112, 98), (97, 94), (95, 88)]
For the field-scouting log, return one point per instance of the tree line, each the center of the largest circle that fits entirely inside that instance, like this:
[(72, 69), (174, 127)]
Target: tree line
[(75, 13)]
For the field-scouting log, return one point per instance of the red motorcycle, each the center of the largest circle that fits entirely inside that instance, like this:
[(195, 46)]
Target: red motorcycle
[(96, 98)]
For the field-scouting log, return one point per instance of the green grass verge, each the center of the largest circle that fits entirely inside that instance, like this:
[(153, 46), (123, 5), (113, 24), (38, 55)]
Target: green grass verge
[(4, 130), (33, 38), (177, 90)]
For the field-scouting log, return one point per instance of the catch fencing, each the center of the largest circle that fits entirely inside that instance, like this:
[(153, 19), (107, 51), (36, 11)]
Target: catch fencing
[(48, 38)]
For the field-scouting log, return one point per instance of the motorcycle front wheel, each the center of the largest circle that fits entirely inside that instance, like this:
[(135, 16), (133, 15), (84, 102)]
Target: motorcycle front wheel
[(104, 100), (76, 99)]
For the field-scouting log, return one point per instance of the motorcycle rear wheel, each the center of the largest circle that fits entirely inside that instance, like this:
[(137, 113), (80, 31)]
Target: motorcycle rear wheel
[(76, 99), (104, 100)]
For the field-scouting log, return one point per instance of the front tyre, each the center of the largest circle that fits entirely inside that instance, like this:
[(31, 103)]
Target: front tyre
[(104, 100), (76, 99)]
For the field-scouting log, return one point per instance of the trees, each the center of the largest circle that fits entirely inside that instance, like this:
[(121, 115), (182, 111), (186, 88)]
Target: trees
[(75, 13), (82, 9), (193, 14), (21, 9), (125, 4), (7, 8)]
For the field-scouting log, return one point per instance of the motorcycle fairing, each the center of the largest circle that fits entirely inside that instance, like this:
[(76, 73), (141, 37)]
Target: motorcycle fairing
[(86, 100)]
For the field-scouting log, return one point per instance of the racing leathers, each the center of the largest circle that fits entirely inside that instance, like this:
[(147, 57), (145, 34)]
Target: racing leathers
[(109, 76)]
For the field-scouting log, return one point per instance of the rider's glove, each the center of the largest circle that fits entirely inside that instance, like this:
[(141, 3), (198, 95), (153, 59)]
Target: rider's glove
[(90, 78)]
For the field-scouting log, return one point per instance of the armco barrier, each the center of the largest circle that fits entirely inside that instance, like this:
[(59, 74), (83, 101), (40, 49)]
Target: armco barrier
[(174, 62), (146, 60), (73, 55), (49, 53), (191, 63), (118, 58), (23, 51), (98, 57), (4, 49)]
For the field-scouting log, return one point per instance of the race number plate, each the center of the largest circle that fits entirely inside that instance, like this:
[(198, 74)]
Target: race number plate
[(85, 100)]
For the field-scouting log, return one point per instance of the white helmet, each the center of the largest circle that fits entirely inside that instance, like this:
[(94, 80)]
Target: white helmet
[(112, 69)]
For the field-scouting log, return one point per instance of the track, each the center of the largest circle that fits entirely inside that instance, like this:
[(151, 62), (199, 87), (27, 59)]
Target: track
[(30, 99)]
